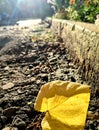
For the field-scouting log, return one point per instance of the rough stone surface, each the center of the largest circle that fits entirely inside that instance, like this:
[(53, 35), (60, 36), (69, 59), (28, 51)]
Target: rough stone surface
[(83, 45)]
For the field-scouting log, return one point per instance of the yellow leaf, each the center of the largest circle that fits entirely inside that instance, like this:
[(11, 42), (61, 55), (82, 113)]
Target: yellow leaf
[(65, 104)]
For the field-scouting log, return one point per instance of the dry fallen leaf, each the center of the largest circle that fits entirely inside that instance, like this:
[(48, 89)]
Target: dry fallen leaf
[(65, 104), (34, 38)]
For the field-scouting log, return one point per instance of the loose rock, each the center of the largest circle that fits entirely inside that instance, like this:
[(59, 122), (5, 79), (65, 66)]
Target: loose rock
[(10, 111), (8, 85), (10, 128)]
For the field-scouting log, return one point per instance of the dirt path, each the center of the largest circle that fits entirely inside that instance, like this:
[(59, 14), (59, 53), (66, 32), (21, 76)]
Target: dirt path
[(25, 66)]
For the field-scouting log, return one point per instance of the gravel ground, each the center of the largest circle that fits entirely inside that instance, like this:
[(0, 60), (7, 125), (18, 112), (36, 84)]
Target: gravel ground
[(24, 67)]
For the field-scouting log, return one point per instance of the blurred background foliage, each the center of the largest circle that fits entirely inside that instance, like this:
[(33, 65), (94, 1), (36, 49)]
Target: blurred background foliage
[(25, 9), (80, 10)]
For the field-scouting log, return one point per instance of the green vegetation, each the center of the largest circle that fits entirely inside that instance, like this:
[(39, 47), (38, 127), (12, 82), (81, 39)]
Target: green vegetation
[(81, 10), (47, 36)]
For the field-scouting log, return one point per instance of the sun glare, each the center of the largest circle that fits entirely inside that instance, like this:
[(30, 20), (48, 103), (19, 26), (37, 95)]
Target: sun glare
[(14, 11), (29, 9)]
